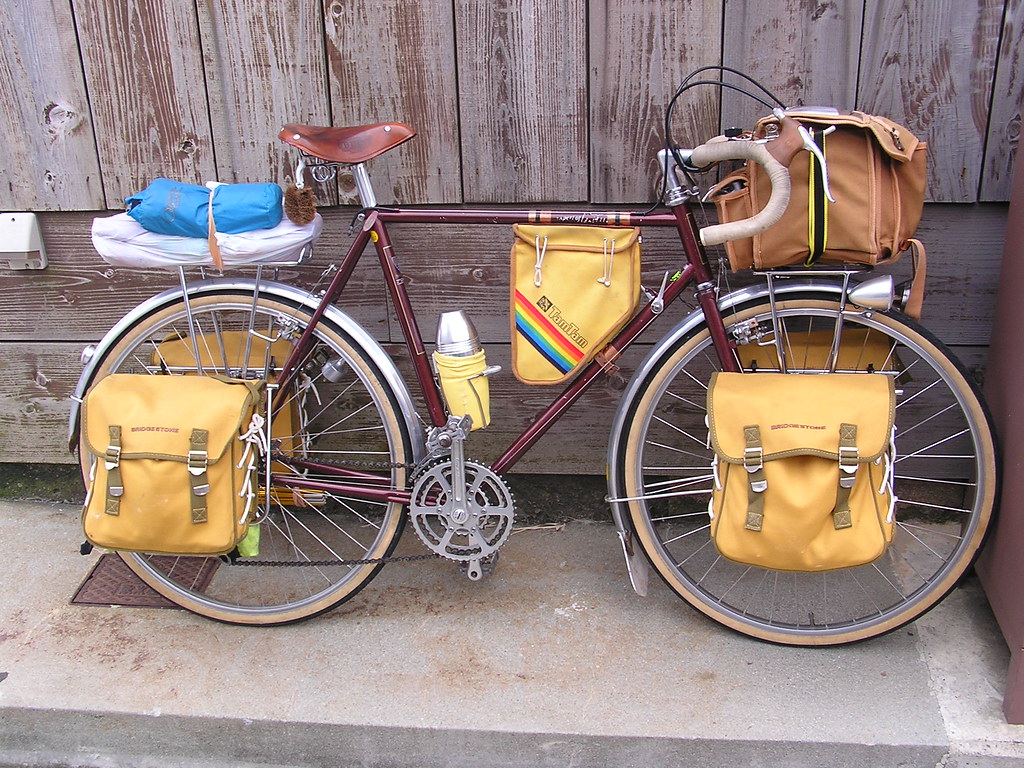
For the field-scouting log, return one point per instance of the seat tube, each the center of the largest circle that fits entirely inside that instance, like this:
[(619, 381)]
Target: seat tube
[(407, 321)]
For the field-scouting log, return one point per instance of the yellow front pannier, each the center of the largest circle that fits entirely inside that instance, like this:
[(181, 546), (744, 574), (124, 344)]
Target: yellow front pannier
[(803, 468)]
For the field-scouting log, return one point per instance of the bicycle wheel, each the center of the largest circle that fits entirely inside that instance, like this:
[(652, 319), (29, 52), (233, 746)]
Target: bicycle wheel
[(341, 411), (945, 476)]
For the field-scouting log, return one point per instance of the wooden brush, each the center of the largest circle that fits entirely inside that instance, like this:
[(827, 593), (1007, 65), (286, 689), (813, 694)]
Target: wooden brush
[(299, 200)]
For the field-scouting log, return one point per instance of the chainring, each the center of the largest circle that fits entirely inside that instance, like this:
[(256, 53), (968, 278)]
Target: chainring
[(467, 532)]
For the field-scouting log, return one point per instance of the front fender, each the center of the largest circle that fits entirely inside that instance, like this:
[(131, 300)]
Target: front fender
[(636, 563), (343, 321)]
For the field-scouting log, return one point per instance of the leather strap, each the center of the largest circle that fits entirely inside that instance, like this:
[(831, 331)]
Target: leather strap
[(218, 260), (753, 463), (841, 516), (915, 302), (112, 462), (197, 461)]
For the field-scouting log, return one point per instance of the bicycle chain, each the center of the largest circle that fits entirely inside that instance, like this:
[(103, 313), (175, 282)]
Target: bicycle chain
[(323, 563)]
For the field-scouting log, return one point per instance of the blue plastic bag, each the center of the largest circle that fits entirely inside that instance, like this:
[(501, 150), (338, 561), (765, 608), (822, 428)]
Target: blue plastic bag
[(174, 208)]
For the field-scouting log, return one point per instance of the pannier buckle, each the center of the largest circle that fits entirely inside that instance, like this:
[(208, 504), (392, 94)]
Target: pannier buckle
[(753, 462), (749, 463), (112, 457), (197, 462), (848, 466)]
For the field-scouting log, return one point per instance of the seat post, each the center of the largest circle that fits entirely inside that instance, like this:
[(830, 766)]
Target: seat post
[(362, 178)]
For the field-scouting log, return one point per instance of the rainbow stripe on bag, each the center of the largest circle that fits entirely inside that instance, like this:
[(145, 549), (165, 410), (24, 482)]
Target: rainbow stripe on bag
[(557, 348)]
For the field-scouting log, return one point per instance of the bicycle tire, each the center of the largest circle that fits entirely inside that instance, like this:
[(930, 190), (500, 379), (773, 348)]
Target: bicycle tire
[(946, 477), (357, 414)]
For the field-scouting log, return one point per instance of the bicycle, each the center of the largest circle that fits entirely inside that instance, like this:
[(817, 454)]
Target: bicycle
[(353, 461)]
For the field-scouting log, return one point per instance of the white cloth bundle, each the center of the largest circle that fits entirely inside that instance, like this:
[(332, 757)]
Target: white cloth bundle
[(123, 242)]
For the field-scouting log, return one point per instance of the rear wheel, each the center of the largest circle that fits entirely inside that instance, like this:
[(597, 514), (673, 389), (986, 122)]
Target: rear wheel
[(945, 476), (340, 412)]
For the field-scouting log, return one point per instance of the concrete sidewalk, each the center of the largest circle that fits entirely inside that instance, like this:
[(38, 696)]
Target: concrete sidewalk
[(553, 661)]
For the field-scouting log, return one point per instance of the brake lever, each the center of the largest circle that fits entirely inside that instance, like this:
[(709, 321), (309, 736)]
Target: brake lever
[(788, 145), (815, 150)]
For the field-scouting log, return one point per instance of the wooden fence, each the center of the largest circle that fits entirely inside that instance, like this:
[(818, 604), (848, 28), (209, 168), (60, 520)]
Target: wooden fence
[(514, 101)]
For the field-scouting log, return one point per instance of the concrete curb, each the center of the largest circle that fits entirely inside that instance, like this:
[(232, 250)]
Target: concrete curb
[(552, 661)]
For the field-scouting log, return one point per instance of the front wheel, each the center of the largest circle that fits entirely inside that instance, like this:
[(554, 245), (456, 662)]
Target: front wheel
[(316, 547), (945, 475)]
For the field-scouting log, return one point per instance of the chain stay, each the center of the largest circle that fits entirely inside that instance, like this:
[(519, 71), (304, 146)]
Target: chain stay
[(226, 560)]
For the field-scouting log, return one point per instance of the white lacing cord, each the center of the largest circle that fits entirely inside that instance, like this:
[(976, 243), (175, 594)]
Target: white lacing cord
[(541, 251), (256, 444), (889, 476), (718, 484), (714, 469), (91, 484), (609, 261), (307, 385)]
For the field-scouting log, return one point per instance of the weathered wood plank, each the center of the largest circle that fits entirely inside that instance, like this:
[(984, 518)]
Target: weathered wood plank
[(1007, 105), (264, 67), (639, 53), (48, 158), (78, 296), (395, 61), (451, 267), (965, 247), (147, 92), (804, 55), (916, 72), (522, 99), (456, 267), (35, 381)]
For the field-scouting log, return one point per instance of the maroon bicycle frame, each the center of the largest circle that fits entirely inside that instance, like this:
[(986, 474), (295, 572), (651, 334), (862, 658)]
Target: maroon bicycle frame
[(377, 487)]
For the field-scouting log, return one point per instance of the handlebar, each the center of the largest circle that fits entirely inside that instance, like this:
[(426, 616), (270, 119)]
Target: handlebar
[(778, 176), (775, 156)]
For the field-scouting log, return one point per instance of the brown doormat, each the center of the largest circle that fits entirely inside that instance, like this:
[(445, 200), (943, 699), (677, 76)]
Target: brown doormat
[(111, 582)]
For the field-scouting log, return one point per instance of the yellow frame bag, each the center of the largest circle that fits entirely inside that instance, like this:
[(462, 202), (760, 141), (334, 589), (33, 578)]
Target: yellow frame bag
[(174, 462), (572, 289), (803, 468)]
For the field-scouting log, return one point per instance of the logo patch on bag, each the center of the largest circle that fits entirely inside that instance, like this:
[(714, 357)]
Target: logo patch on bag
[(559, 342)]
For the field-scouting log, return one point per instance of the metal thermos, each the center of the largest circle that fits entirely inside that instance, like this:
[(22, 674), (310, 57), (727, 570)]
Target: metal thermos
[(462, 368), (456, 335)]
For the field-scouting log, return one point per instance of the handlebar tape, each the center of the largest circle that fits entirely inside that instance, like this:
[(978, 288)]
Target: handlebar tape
[(778, 176)]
